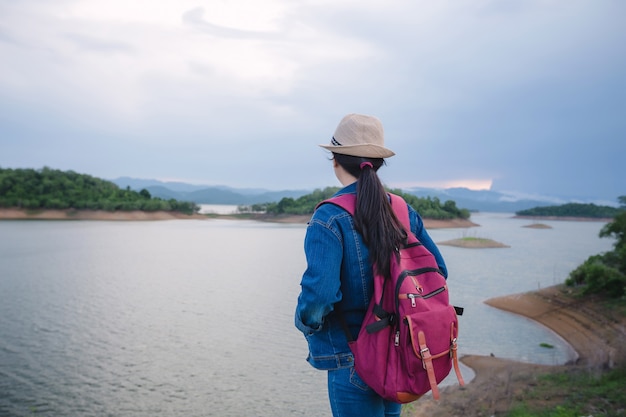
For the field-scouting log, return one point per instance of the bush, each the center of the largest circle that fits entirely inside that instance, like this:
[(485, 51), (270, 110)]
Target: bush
[(606, 273), (598, 277)]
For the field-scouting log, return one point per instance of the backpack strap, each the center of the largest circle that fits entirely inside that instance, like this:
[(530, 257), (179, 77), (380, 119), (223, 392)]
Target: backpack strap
[(454, 355), (427, 361), (348, 203), (401, 209), (345, 201)]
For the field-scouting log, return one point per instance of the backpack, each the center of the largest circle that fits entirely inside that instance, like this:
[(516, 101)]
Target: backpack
[(407, 343)]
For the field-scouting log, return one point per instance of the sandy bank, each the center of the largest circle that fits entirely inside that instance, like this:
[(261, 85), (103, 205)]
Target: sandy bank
[(16, 214), (593, 332), (596, 333)]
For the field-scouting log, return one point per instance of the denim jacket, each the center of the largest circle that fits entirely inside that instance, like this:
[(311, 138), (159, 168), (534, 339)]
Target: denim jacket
[(339, 277)]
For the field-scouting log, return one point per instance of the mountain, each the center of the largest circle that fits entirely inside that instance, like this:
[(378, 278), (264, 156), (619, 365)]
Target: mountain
[(496, 201), (206, 194), (474, 200)]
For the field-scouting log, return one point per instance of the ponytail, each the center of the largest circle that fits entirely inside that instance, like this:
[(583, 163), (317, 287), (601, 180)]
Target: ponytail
[(374, 217)]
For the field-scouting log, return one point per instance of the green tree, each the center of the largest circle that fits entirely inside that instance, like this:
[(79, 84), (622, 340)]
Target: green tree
[(53, 189), (606, 273)]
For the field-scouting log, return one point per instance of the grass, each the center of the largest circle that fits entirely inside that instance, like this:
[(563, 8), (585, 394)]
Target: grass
[(473, 242), (475, 239), (575, 393)]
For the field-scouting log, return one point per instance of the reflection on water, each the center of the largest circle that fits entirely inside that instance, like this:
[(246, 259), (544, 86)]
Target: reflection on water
[(195, 318)]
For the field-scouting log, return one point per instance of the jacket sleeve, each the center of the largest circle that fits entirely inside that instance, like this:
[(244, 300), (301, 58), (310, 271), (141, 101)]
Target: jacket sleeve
[(422, 235), (320, 285)]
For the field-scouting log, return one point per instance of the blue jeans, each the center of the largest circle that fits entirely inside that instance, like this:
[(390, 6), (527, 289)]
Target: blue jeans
[(351, 397)]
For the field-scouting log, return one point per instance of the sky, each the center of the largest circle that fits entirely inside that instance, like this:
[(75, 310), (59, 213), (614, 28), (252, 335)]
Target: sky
[(518, 96)]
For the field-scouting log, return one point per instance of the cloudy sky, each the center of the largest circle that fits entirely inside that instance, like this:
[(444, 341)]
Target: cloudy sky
[(526, 96)]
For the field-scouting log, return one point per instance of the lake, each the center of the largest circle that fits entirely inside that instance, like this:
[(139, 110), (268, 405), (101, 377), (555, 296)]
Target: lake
[(195, 318)]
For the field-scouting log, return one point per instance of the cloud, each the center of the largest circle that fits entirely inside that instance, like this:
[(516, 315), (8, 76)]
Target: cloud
[(88, 43), (527, 95), (195, 18)]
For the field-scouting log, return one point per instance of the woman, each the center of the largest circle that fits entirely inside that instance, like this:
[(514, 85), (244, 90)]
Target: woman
[(340, 252)]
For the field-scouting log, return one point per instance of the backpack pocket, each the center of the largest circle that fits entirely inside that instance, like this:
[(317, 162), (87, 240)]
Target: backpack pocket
[(428, 338)]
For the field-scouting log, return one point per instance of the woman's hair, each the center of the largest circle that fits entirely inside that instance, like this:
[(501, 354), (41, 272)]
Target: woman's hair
[(374, 218)]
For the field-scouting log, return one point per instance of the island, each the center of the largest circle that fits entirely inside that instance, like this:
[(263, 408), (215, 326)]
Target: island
[(571, 211), (473, 243), (54, 195)]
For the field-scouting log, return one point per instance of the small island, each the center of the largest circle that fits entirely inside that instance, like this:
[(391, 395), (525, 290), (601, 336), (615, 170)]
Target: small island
[(473, 243), (571, 211), (538, 226)]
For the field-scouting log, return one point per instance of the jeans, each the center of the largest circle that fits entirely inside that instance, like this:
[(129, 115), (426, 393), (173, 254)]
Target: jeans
[(351, 397)]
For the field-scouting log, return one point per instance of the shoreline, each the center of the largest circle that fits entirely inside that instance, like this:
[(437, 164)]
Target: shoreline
[(20, 214), (586, 327), (597, 335), (98, 215), (567, 218)]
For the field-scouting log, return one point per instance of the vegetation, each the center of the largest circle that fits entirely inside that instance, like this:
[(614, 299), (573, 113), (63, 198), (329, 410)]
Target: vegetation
[(54, 189), (430, 208), (605, 273), (572, 210), (574, 393)]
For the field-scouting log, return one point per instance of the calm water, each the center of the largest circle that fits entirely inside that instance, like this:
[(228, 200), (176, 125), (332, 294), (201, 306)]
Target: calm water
[(195, 318)]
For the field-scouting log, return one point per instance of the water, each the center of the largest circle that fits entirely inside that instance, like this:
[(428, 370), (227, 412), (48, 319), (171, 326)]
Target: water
[(195, 318), (537, 258)]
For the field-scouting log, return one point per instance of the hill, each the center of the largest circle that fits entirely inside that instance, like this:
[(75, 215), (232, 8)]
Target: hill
[(50, 189)]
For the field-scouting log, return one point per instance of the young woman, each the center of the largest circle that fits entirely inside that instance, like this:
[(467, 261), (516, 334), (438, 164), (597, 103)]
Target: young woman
[(340, 252)]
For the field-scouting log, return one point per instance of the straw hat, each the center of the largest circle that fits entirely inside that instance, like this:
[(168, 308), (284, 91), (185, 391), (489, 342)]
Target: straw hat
[(359, 135)]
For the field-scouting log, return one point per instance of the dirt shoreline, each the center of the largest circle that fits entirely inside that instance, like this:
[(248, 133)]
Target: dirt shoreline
[(19, 214), (596, 334)]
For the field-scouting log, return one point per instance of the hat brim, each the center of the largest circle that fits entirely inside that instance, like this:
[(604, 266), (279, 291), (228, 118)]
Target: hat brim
[(367, 150)]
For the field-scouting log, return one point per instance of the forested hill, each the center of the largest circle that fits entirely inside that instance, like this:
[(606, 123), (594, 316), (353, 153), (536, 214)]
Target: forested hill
[(54, 189), (430, 208), (573, 210)]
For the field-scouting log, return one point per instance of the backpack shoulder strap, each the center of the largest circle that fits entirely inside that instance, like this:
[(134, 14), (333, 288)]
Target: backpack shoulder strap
[(401, 209), (348, 203), (345, 201)]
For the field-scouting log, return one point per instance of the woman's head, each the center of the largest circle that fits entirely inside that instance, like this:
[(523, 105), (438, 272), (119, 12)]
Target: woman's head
[(361, 136)]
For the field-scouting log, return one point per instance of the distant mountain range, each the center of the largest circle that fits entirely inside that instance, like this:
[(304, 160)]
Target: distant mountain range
[(481, 200), (207, 194), (495, 201)]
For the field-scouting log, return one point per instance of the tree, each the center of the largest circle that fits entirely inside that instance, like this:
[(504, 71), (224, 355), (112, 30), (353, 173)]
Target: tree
[(606, 273)]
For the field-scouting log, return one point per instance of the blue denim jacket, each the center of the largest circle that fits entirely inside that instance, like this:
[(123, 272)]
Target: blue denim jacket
[(339, 275)]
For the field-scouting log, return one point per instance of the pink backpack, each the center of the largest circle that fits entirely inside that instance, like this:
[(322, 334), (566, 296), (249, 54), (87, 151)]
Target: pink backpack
[(408, 340)]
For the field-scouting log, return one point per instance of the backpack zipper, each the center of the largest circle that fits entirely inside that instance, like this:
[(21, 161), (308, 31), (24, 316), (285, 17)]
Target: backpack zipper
[(412, 296), (412, 273)]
